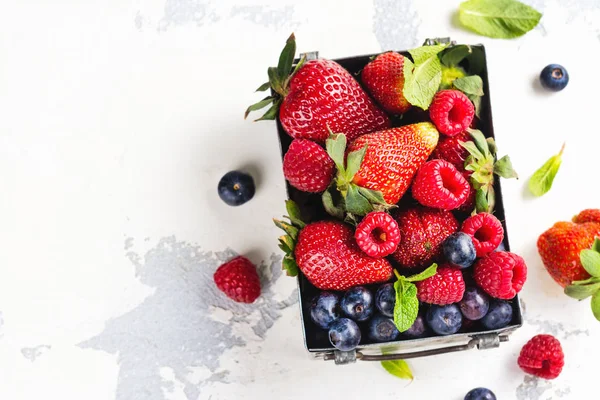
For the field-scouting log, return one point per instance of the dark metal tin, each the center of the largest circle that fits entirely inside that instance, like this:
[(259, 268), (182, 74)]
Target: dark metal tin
[(316, 340)]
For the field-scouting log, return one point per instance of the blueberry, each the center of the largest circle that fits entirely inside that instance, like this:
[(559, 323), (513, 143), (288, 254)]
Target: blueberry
[(444, 320), (382, 329), (357, 303), (236, 188), (417, 330), (344, 334), (324, 309), (474, 304), (459, 250), (480, 394), (385, 299), (554, 77), (499, 315)]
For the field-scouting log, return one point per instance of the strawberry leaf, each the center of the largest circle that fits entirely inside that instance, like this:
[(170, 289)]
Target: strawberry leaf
[(428, 273), (356, 203), (503, 167), (286, 243), (481, 203), (336, 148), (581, 292), (596, 305), (263, 87), (590, 260), (492, 145), (271, 113), (257, 106), (355, 159), (374, 196), (330, 207), (287, 228), (398, 368), (480, 142), (289, 265), (473, 150), (586, 281), (407, 304), (286, 58), (596, 245), (294, 213)]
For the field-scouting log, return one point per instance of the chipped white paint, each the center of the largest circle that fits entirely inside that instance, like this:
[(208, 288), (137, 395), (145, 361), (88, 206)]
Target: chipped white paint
[(118, 120)]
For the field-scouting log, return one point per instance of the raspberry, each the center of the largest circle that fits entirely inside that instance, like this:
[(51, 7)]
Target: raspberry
[(542, 356), (501, 274), (451, 111), (307, 166), (439, 184), (238, 279), (447, 286), (469, 204), (485, 230), (450, 149), (377, 234)]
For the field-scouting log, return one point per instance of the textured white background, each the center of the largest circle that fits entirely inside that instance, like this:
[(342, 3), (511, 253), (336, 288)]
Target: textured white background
[(119, 117)]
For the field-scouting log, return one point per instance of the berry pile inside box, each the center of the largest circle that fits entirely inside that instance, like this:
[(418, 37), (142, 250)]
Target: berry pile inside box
[(470, 285)]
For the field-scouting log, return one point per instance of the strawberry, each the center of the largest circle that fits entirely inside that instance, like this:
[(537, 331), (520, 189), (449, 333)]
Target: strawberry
[(422, 231), (561, 245), (327, 254), (239, 280), (384, 79), (307, 166), (316, 96), (393, 157)]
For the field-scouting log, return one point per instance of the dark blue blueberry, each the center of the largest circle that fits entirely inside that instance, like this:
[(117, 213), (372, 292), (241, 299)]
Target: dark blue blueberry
[(474, 304), (382, 329), (236, 188), (324, 309), (499, 315), (385, 299), (444, 320), (344, 334), (554, 77), (357, 303), (459, 250), (417, 330), (480, 394)]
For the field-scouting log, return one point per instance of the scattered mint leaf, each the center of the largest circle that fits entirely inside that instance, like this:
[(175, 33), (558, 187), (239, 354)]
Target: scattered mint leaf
[(596, 245), (289, 265), (452, 56), (398, 368), (470, 85), (581, 292), (428, 273), (504, 168), (541, 181), (498, 18), (590, 260), (294, 213), (422, 82), (407, 305), (355, 158), (596, 305)]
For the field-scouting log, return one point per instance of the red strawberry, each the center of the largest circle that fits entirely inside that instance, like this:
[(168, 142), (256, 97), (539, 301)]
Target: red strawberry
[(450, 149), (542, 356), (384, 79), (393, 157), (317, 96), (439, 184), (422, 232), (561, 245), (451, 111), (239, 280), (447, 286), (307, 166), (501, 274)]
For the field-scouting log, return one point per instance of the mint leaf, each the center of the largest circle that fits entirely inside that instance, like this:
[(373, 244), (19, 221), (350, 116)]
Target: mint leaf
[(407, 305), (336, 148), (596, 305), (503, 167), (452, 56), (356, 203), (289, 266), (428, 273), (581, 292), (541, 181), (472, 85), (422, 82), (355, 159), (590, 260), (398, 368), (498, 18), (294, 213)]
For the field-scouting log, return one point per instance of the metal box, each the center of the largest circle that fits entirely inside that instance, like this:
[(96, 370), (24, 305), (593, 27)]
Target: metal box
[(316, 340)]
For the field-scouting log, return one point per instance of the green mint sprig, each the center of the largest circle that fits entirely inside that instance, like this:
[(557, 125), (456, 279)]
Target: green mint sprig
[(580, 290), (407, 304), (498, 18)]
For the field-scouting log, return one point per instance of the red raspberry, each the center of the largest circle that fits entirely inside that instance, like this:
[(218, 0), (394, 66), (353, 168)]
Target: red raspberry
[(501, 274), (451, 111), (307, 166), (485, 230), (377, 234), (238, 279), (439, 184), (469, 205), (542, 356), (447, 286), (450, 149)]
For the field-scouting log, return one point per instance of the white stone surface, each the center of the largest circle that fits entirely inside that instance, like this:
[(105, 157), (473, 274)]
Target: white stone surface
[(118, 118)]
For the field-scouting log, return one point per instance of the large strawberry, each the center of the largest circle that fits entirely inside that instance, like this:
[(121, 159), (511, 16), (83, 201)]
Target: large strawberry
[(393, 157), (384, 79), (422, 232), (561, 245), (327, 254), (316, 96)]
